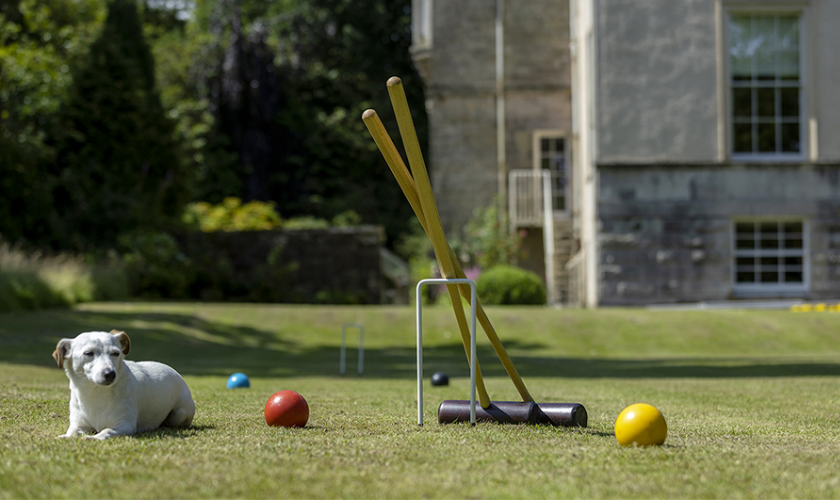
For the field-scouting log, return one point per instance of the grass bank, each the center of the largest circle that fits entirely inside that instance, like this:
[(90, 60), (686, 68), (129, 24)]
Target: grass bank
[(751, 399)]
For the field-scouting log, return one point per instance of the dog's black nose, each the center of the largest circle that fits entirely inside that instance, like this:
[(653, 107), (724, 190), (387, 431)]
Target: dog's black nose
[(110, 375)]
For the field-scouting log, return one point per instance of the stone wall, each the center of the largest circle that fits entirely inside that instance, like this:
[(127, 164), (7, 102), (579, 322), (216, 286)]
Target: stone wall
[(335, 265), (657, 87), (666, 230), (460, 78)]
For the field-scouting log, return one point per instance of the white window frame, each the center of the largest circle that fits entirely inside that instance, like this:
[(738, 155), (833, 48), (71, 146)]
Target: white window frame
[(771, 289), (536, 149), (769, 7)]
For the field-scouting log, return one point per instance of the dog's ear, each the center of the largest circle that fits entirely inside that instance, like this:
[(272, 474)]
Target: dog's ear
[(61, 351), (125, 342)]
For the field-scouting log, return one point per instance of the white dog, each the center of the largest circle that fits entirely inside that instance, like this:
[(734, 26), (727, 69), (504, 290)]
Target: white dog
[(114, 397)]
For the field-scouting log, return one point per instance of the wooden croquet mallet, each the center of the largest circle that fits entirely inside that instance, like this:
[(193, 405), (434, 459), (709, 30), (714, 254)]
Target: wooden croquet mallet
[(398, 168), (419, 194)]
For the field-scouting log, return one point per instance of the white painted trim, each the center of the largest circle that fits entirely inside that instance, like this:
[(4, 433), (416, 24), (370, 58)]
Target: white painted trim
[(421, 24), (536, 157), (759, 290), (722, 67)]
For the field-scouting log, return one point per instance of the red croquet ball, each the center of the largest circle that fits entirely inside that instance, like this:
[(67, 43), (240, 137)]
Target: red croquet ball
[(286, 409)]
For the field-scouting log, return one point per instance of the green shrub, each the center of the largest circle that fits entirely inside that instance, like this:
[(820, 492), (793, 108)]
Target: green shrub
[(155, 265), (36, 281), (110, 279), (231, 215), (416, 249), (306, 222), (485, 240), (21, 290), (510, 285)]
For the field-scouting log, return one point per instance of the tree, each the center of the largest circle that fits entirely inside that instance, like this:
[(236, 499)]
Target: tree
[(287, 82), (39, 41), (117, 163)]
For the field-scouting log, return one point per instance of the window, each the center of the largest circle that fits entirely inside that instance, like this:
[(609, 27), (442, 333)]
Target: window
[(770, 255), (550, 154), (766, 85)]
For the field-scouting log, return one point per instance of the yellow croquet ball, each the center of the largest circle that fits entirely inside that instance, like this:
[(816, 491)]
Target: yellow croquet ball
[(641, 425)]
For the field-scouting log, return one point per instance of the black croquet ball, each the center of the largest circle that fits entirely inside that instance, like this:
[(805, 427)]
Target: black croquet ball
[(440, 378)]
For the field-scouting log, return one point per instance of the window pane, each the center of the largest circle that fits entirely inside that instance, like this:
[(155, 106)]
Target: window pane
[(769, 277), (764, 41), (769, 235), (745, 277), (765, 65), (790, 101), (745, 228), (769, 244), (768, 229), (793, 263), (790, 138), (766, 102), (763, 33), (745, 263), (793, 243), (742, 69), (768, 263), (788, 33), (745, 236), (742, 142), (792, 228), (767, 137), (558, 145), (740, 48), (788, 65), (544, 145), (742, 102), (558, 168), (545, 163), (793, 277)]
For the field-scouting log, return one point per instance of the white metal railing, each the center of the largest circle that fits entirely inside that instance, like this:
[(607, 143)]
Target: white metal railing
[(525, 202), (531, 204), (577, 279)]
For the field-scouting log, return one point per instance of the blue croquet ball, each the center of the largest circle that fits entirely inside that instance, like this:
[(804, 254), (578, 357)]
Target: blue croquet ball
[(238, 381), (440, 378)]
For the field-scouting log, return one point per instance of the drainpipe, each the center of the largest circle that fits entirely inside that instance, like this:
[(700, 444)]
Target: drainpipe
[(591, 180), (501, 164)]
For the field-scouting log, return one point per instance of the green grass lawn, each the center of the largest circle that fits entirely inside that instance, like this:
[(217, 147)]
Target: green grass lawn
[(752, 400)]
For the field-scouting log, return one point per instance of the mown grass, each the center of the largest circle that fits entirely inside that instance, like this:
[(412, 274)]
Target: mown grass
[(751, 399)]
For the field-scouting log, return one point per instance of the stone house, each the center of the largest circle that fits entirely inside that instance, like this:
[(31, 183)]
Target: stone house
[(653, 151)]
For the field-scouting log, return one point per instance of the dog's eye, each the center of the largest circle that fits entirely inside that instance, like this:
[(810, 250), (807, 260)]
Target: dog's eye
[(88, 353), (115, 353)]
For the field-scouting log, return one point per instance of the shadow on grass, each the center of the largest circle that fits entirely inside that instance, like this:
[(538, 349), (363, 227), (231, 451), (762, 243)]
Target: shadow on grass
[(195, 346), (170, 433)]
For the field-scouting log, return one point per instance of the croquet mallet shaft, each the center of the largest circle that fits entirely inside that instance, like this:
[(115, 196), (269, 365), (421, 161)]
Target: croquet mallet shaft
[(398, 168), (433, 225), (404, 179)]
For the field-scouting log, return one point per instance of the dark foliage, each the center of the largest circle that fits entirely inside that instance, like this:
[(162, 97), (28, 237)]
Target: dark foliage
[(292, 108), (117, 166)]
